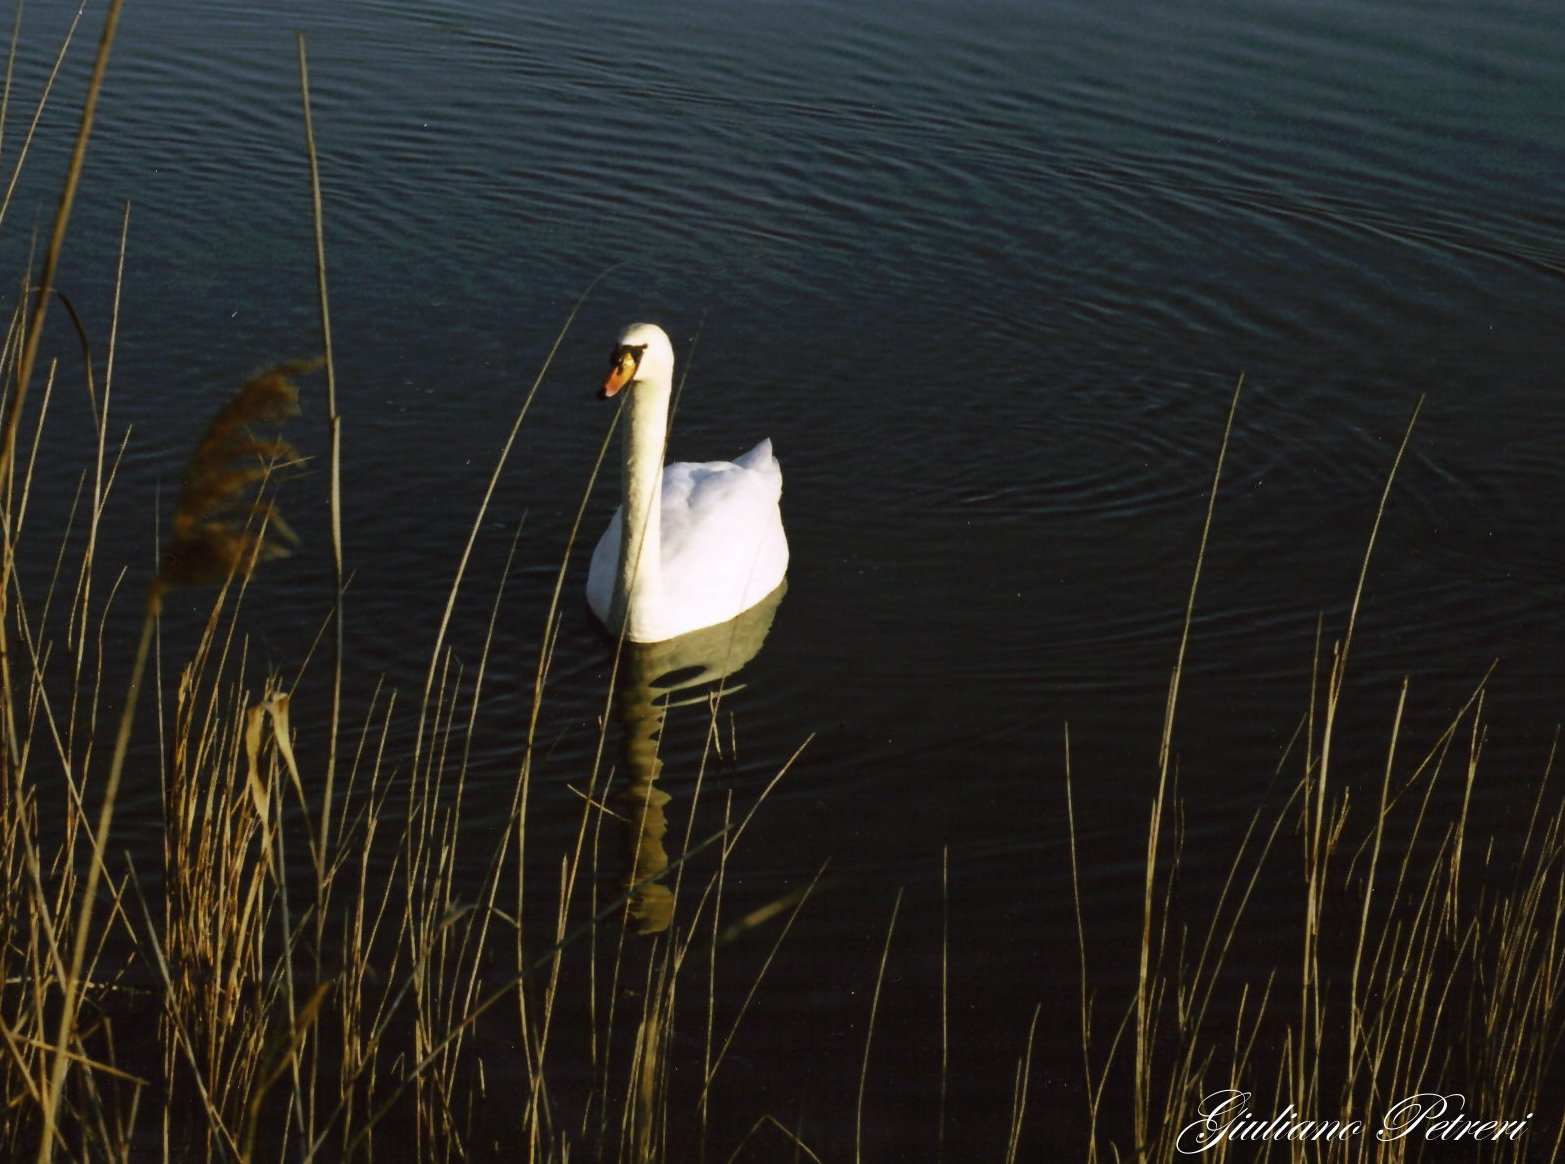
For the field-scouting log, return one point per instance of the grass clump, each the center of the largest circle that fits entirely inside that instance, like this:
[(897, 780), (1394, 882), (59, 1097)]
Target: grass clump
[(1424, 1009)]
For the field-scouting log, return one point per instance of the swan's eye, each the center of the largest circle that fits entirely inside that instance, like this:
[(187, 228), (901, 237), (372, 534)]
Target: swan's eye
[(622, 369), (626, 359)]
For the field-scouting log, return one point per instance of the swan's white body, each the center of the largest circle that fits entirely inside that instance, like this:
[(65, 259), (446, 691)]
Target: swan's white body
[(706, 540)]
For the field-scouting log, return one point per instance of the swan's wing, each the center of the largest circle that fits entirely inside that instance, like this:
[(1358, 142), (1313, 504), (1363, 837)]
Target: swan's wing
[(740, 493), (722, 530), (723, 546), (714, 512), (709, 486), (760, 460)]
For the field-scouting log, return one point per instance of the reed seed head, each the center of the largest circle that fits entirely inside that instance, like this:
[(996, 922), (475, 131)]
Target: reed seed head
[(222, 526)]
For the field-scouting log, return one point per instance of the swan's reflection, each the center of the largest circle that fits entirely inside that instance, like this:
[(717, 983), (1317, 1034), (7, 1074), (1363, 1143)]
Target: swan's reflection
[(652, 678)]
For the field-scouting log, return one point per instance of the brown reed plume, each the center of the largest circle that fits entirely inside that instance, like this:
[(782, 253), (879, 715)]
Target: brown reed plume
[(222, 528)]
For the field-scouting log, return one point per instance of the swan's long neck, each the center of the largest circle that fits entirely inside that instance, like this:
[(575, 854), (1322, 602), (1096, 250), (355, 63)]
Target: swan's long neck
[(641, 547)]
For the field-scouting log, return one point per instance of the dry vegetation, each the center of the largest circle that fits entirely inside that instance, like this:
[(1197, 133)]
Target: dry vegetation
[(312, 972), (1423, 1015)]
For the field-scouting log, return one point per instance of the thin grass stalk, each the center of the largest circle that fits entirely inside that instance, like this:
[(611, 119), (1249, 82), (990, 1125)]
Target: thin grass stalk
[(359, 929), (643, 1122), (580, 855), (517, 818), (1085, 998), (869, 1032), (1475, 747), (300, 1016), (494, 480), (1144, 1012), (222, 813), (68, 887), (10, 73), (334, 472), (43, 100), (714, 940), (100, 484), (755, 985), (1312, 1013), (614, 990), (1356, 1005), (82, 600), (1019, 1090), (51, 260)]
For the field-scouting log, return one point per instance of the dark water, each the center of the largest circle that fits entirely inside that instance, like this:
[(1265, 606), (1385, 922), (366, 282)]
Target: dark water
[(987, 275)]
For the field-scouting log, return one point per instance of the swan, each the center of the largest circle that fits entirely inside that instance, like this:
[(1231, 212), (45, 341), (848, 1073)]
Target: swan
[(707, 539)]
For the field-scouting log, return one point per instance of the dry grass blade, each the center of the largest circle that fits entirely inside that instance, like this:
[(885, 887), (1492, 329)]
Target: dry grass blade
[(1143, 1030), (334, 472), (1019, 1090), (796, 902), (51, 262), (869, 1032)]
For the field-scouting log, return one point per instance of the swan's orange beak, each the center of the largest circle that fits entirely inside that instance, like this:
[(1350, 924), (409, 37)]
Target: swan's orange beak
[(626, 360)]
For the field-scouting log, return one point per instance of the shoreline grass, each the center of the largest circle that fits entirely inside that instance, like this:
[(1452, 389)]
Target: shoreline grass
[(1391, 982)]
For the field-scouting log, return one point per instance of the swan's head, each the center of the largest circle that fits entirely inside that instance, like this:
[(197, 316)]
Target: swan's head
[(643, 353)]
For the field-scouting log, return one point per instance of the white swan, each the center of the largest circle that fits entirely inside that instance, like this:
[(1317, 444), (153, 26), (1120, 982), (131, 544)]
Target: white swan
[(706, 540)]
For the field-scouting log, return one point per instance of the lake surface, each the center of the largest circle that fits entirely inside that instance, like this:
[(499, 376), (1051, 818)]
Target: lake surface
[(987, 274)]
